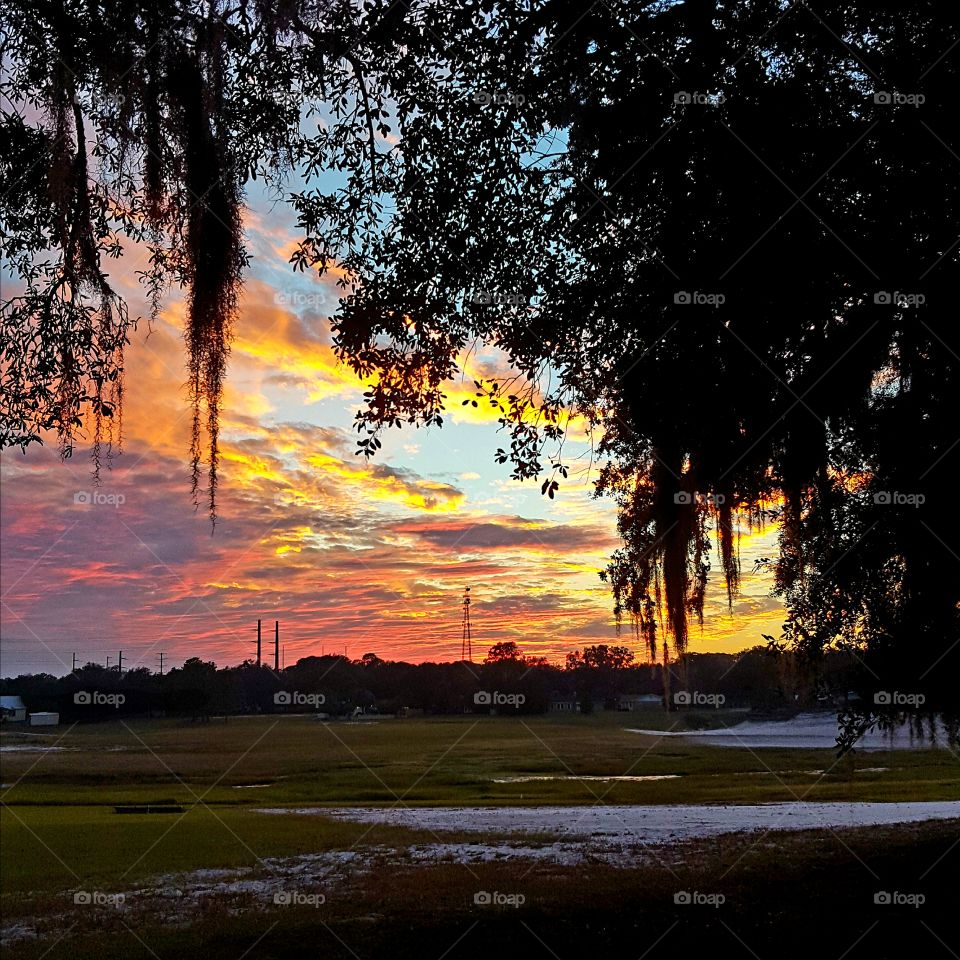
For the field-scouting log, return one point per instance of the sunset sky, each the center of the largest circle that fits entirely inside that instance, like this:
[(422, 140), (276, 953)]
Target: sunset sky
[(367, 557)]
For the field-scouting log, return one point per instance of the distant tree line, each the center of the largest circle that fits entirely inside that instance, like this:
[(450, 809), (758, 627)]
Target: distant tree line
[(593, 678)]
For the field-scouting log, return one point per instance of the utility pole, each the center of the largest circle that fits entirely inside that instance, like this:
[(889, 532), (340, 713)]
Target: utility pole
[(276, 646), (74, 668), (258, 642), (160, 655), (120, 663)]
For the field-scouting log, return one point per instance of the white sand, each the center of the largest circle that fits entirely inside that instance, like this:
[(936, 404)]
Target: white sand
[(615, 835), (804, 731), (641, 824)]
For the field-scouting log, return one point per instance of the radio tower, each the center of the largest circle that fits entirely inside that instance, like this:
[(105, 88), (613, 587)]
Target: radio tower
[(466, 647)]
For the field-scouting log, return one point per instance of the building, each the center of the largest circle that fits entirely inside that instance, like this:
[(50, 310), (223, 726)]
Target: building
[(44, 719), (564, 703), (638, 701), (13, 709)]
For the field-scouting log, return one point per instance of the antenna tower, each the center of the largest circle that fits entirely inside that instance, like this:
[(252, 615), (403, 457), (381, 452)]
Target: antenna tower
[(466, 645)]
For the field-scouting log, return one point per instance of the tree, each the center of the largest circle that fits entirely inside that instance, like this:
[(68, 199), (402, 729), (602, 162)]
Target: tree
[(721, 234), (600, 657), (734, 258), (146, 123), (505, 650)]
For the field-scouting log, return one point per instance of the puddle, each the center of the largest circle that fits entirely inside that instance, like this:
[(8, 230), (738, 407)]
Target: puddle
[(562, 777)]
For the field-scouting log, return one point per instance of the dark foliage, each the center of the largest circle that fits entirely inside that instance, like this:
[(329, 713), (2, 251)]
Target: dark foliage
[(724, 234)]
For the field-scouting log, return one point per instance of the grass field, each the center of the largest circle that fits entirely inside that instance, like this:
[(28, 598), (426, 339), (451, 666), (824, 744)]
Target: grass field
[(293, 760), (59, 832)]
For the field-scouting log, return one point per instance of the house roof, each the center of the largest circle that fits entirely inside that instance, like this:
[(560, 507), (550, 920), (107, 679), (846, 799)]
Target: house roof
[(12, 703)]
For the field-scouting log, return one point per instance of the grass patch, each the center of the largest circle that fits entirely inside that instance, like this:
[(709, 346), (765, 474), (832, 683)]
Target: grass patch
[(798, 895), (446, 761)]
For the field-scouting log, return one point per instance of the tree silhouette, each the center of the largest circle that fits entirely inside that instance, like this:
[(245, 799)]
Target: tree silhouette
[(147, 123), (504, 651), (722, 234), (734, 254)]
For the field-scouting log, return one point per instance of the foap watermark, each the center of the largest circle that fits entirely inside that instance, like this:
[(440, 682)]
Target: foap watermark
[(694, 898), (694, 97), (292, 99), (297, 299), (295, 698), (695, 698), (496, 298), (687, 497), (484, 898), (116, 102), (894, 98), (494, 698), (894, 498), (97, 898), (294, 898), (895, 698), (97, 498), (94, 698), (699, 298), (894, 898), (897, 298), (502, 98)]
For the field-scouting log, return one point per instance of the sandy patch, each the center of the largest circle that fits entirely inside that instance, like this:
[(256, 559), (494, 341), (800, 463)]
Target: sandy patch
[(640, 824), (805, 731)]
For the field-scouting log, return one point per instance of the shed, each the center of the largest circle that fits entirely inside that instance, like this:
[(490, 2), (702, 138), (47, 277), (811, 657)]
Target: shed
[(637, 701), (45, 718)]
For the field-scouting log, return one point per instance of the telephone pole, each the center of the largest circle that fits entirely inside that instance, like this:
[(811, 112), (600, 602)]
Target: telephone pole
[(120, 663), (74, 668), (276, 646), (160, 655), (259, 640)]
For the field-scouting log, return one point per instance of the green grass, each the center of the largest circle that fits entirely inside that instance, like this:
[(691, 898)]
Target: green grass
[(58, 832), (446, 761), (48, 849)]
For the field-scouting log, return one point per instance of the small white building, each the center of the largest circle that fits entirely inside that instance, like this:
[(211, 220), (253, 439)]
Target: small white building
[(13, 709), (45, 718), (638, 701)]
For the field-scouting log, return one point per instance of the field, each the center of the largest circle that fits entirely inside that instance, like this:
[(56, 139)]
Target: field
[(60, 835)]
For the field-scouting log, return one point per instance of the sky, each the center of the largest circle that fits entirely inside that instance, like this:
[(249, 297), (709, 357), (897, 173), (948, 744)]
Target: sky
[(350, 556)]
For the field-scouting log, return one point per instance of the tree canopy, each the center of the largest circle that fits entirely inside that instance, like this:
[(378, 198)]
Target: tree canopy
[(722, 233)]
